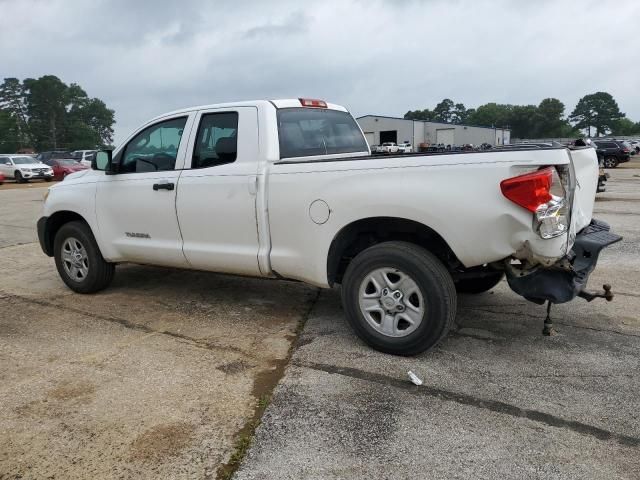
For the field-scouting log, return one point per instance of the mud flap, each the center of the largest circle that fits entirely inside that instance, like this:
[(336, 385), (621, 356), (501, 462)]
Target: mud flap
[(559, 284)]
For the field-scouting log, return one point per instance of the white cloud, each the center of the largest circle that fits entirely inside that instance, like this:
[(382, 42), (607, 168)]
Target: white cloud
[(145, 58)]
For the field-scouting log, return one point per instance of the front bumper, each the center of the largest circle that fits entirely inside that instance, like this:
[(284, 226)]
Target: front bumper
[(43, 236), (568, 277), (32, 175)]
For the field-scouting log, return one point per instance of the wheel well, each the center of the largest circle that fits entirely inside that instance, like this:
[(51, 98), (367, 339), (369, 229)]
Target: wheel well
[(362, 234), (54, 223)]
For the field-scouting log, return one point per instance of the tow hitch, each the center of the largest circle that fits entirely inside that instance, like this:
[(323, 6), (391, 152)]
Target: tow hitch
[(606, 293), (568, 278)]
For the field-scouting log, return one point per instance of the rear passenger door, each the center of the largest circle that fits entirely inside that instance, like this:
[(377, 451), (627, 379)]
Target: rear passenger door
[(216, 199)]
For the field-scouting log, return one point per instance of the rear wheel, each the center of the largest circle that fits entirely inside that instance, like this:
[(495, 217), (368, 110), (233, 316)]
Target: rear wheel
[(79, 261), (610, 162), (399, 298)]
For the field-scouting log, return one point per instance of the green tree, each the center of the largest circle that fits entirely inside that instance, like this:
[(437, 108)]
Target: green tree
[(425, 115), (460, 114), (9, 132), (444, 111), (12, 102), (549, 118), (491, 114), (46, 101), (624, 126), (64, 116), (598, 110)]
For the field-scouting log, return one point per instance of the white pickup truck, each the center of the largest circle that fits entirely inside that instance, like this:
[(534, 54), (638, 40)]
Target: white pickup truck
[(288, 189)]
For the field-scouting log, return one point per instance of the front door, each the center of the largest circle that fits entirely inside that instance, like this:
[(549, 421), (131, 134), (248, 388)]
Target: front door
[(136, 207)]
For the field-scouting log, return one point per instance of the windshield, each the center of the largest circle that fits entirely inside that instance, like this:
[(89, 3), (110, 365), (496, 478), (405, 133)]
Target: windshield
[(306, 132), (23, 160)]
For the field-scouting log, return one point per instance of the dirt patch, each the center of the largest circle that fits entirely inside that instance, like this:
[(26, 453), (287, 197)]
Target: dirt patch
[(8, 185), (72, 390), (161, 441), (234, 367)]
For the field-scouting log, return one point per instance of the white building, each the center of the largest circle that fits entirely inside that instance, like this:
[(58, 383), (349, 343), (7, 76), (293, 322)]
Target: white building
[(379, 129)]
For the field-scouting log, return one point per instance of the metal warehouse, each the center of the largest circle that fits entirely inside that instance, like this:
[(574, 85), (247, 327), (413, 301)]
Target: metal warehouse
[(380, 129)]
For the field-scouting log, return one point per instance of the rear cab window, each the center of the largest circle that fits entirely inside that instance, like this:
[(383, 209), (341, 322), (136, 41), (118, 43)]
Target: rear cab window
[(306, 132)]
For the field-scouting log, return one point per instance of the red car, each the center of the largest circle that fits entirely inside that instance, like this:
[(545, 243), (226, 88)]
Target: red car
[(64, 166), (1, 178)]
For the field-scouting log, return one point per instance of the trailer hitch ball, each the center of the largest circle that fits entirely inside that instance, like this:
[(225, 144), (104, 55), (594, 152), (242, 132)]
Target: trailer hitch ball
[(606, 293)]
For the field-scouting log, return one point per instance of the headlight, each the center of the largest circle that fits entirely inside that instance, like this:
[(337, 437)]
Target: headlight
[(25, 169)]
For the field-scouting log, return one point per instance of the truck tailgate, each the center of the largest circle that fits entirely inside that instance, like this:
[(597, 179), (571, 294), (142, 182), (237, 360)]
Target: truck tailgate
[(585, 173)]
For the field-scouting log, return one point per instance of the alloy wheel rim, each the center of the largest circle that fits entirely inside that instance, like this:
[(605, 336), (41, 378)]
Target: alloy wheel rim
[(391, 302), (75, 259)]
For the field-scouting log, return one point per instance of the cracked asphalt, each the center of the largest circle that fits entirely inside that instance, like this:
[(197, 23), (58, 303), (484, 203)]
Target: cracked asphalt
[(157, 376), (153, 378), (499, 400)]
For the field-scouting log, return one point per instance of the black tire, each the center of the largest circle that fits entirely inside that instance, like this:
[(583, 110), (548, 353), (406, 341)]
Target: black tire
[(19, 178), (47, 179), (432, 278), (610, 162), (479, 284), (100, 272)]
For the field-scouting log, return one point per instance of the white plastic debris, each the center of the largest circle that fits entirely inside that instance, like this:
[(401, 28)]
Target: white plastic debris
[(414, 378)]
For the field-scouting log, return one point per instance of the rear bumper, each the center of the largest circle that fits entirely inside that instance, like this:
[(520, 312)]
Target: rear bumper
[(568, 277)]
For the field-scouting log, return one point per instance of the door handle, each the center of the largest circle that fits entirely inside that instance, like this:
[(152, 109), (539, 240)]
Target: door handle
[(163, 186)]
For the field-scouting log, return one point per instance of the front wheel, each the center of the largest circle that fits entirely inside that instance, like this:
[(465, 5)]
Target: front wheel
[(19, 178), (79, 261), (610, 162), (399, 298)]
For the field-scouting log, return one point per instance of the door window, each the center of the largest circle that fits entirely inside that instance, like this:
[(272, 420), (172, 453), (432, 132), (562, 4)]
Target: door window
[(217, 140), (155, 148)]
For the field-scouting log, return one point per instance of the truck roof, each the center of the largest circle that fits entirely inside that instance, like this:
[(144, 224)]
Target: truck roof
[(278, 103)]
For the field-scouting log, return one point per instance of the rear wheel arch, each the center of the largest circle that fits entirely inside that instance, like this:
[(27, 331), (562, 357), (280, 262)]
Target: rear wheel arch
[(364, 233)]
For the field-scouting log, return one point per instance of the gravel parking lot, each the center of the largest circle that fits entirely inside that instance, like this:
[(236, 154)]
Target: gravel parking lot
[(161, 375)]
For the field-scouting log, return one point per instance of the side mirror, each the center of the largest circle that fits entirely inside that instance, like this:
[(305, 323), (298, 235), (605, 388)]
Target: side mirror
[(102, 161)]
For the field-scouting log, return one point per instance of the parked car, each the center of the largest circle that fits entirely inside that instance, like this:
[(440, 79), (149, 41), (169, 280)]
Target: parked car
[(377, 149), (65, 166), (54, 154), (635, 144), (389, 147), (613, 152), (1, 178), (212, 188), (84, 156), (22, 168), (627, 145), (405, 147)]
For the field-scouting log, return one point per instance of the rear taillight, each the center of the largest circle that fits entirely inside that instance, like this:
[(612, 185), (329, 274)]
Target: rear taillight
[(529, 190), (625, 150), (543, 193), (312, 102)]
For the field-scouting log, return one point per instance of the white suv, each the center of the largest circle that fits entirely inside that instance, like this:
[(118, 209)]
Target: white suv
[(23, 168)]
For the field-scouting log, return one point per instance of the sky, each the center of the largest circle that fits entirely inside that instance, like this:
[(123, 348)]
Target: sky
[(145, 58)]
